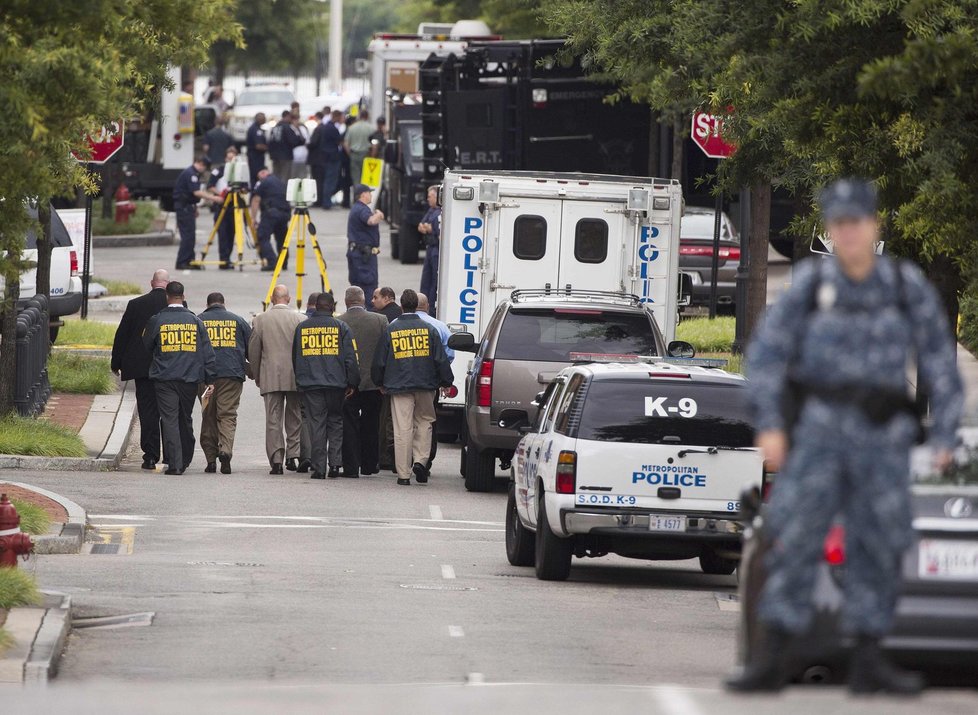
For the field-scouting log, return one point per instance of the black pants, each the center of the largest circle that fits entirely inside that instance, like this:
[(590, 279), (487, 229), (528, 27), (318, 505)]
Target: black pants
[(176, 403), (324, 410), (361, 432), (149, 419)]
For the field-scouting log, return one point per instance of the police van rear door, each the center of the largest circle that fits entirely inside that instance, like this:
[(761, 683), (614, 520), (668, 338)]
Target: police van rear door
[(665, 443), (527, 248), (596, 236)]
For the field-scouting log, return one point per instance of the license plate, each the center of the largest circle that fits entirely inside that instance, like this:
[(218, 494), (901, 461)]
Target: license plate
[(657, 522), (948, 559)]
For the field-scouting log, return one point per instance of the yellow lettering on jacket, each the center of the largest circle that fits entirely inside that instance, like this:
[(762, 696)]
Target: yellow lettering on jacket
[(410, 343), (222, 333), (319, 341), (178, 337)]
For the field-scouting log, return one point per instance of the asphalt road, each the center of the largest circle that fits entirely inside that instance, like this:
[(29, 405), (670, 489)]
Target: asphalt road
[(284, 594)]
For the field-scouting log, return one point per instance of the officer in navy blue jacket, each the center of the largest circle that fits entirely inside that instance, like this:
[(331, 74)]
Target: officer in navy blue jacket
[(257, 144), (268, 195), (430, 228), (285, 137), (363, 234), (218, 186), (187, 191), (324, 357), (182, 359)]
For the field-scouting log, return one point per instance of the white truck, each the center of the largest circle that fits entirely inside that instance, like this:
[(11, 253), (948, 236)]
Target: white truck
[(504, 231)]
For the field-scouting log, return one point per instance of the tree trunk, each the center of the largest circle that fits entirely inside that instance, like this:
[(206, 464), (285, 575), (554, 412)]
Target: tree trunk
[(8, 342), (220, 67), (677, 148), (760, 232), (44, 249)]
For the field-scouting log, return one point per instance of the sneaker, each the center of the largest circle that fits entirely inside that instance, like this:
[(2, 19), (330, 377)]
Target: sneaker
[(317, 475), (304, 466), (334, 472), (225, 460), (404, 482), (211, 468), (420, 473), (292, 464), (277, 468)]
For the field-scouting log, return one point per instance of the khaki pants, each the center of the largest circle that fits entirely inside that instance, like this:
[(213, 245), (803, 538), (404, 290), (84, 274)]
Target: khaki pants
[(412, 413), (220, 418), (282, 410)]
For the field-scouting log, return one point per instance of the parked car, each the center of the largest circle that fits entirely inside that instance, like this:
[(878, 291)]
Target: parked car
[(696, 255), (270, 99)]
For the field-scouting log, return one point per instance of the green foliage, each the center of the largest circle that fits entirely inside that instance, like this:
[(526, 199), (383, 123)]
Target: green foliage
[(17, 588), (39, 438), (276, 35), (117, 288), (140, 222), (968, 331), (708, 336), (33, 519), (86, 332), (80, 374)]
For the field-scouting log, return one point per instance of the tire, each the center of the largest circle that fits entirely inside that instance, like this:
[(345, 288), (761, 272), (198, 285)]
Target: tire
[(553, 554), (520, 547), (395, 244), (408, 239), (54, 333), (717, 565), (480, 469)]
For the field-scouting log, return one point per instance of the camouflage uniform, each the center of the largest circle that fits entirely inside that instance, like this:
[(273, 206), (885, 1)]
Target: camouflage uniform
[(841, 463)]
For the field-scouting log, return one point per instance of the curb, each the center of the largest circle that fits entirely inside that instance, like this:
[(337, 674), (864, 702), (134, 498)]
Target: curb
[(110, 304), (37, 663), (63, 538), (165, 237)]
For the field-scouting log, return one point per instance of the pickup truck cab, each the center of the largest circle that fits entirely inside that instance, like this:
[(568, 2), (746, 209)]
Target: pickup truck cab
[(645, 459)]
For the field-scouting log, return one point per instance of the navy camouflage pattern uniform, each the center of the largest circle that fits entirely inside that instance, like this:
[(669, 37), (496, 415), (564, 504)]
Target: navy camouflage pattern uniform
[(840, 463)]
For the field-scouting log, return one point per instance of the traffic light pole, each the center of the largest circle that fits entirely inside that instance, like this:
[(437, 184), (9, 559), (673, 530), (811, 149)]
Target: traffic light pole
[(743, 273)]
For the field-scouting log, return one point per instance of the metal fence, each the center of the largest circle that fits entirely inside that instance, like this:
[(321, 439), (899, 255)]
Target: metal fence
[(31, 385)]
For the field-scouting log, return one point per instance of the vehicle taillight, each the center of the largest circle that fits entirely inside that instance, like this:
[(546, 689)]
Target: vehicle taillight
[(451, 392), (73, 261), (835, 546), (567, 473), (485, 384), (696, 250), (730, 253)]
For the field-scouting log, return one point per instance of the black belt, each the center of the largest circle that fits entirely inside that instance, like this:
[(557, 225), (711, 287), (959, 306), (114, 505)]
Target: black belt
[(880, 405)]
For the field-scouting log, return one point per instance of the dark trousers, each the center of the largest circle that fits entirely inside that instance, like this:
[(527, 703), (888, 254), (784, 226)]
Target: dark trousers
[(176, 401), (316, 173), (187, 226), (149, 419), (324, 410), (429, 277), (385, 452), (225, 234), (273, 224), (361, 432), (331, 180)]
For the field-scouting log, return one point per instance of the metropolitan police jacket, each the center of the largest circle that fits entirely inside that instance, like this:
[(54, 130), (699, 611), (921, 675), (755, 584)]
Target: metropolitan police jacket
[(180, 347), (411, 357), (324, 354), (229, 335)]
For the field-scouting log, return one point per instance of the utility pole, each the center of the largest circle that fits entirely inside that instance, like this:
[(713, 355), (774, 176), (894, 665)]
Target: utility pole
[(336, 46)]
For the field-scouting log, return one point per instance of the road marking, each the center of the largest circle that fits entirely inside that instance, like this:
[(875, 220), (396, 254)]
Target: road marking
[(675, 700), (447, 571), (456, 631), (435, 512)]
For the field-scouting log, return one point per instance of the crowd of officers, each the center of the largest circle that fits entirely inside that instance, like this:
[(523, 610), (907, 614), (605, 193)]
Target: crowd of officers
[(344, 395)]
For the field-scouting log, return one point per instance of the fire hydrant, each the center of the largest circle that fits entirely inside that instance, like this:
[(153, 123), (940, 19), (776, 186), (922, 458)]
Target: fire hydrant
[(124, 206), (13, 542)]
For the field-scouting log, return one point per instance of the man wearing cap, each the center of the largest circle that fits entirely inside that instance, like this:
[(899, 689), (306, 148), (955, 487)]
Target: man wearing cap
[(187, 191), (828, 372), (363, 234)]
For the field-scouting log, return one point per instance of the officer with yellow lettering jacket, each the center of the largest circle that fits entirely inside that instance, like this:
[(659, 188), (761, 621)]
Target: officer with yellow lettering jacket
[(229, 334), (410, 364), (324, 357), (182, 359)]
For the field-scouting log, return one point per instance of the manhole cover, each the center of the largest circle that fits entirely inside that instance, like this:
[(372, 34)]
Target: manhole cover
[(436, 587), (249, 564)]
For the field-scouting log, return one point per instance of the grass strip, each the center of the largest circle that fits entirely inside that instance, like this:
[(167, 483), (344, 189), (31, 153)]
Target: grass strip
[(115, 287), (80, 374), (86, 332), (708, 336), (33, 519), (17, 588), (38, 438)]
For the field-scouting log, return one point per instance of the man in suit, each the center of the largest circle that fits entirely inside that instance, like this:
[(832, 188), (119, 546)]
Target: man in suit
[(361, 412), (270, 355), (384, 302), (131, 361)]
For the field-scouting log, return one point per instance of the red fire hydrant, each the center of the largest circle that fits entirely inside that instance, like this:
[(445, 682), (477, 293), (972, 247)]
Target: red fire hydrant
[(13, 542), (124, 206)]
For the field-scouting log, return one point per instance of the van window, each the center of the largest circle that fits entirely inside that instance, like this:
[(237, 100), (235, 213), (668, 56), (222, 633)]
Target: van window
[(530, 237), (549, 408), (591, 240), (551, 335)]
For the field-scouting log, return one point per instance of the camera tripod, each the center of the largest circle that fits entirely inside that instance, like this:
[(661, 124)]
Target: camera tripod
[(299, 226), (242, 218)]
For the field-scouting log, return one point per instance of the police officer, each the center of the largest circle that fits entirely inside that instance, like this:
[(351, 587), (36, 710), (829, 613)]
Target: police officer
[(269, 196), (217, 185), (281, 145), (430, 228), (187, 191), (182, 359), (410, 364), (363, 233), (324, 357), (835, 348), (228, 334), (257, 144)]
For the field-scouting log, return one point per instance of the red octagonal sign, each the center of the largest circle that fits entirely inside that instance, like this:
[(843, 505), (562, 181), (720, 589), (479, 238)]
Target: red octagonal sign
[(106, 143), (706, 134)]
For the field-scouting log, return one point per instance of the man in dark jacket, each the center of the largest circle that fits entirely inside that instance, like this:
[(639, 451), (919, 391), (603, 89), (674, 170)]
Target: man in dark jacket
[(410, 364), (284, 139), (131, 361), (324, 357), (229, 335), (384, 301), (325, 148), (257, 145), (182, 359), (269, 195)]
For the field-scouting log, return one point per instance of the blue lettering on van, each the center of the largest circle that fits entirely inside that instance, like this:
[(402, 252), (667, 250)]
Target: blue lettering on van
[(471, 246), (666, 479), (647, 253)]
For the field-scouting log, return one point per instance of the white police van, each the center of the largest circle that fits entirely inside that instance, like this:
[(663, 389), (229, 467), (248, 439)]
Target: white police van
[(515, 230), (646, 459)]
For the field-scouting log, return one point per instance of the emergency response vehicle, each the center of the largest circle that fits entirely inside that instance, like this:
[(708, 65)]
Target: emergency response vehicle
[(506, 231), (646, 459)]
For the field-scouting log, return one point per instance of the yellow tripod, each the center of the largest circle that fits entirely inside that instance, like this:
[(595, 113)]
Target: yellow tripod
[(236, 202), (299, 226)]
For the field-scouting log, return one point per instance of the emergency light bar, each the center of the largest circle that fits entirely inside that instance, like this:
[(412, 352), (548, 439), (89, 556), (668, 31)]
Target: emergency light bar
[(609, 358)]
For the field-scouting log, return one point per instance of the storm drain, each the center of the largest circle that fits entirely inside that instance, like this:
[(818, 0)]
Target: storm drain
[(110, 540), (130, 620), (436, 587)]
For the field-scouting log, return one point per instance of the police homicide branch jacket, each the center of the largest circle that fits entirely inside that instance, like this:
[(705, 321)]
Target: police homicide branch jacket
[(324, 354), (178, 342), (411, 357), (229, 334)]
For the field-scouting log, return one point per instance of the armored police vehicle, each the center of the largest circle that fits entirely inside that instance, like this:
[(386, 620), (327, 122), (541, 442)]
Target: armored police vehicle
[(646, 459)]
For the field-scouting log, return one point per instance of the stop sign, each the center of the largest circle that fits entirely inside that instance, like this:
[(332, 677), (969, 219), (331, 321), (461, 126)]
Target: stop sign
[(106, 143), (706, 134)]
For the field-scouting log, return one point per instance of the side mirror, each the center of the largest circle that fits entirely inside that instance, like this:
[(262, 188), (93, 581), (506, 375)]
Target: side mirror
[(538, 400), (685, 289), (513, 419), (463, 342), (680, 349)]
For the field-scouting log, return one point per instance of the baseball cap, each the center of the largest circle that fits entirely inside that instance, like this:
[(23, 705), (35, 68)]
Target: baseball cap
[(360, 188), (848, 198)]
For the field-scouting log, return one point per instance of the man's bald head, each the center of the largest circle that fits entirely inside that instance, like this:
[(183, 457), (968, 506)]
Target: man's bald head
[(280, 295), (160, 278), (423, 302)]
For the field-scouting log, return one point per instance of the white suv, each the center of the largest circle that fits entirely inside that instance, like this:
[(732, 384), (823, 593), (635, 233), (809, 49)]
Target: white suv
[(646, 459)]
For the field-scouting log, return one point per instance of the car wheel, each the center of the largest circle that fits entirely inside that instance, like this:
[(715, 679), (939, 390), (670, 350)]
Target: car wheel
[(520, 549), (717, 565), (480, 469), (395, 244), (553, 554), (54, 333)]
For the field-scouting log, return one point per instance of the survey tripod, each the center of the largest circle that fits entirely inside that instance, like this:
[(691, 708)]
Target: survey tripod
[(234, 200), (299, 226)]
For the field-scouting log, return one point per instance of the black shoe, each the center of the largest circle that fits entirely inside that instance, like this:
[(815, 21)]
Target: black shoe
[(765, 672), (870, 672), (404, 482), (333, 473), (369, 472), (189, 267), (317, 475), (277, 468), (148, 464), (292, 464), (304, 466), (225, 460), (211, 468), (173, 470), (351, 474), (226, 266), (267, 269), (420, 473)]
